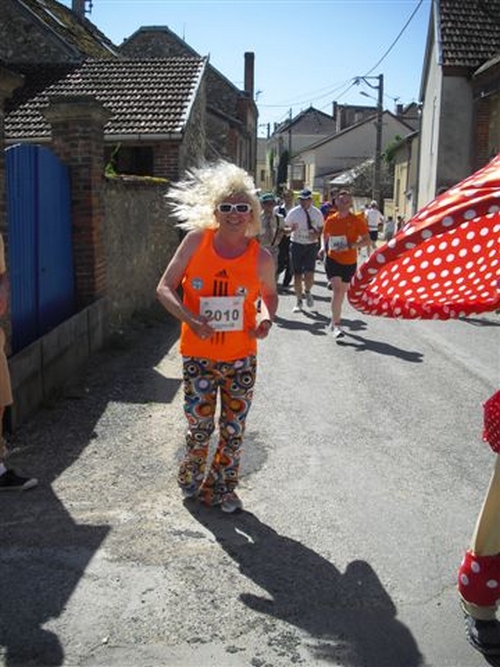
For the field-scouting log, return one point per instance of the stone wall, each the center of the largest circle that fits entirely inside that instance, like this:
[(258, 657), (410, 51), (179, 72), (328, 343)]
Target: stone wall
[(24, 40), (140, 239), (194, 142)]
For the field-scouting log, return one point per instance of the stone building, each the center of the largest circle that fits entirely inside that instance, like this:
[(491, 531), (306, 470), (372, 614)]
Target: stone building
[(231, 113)]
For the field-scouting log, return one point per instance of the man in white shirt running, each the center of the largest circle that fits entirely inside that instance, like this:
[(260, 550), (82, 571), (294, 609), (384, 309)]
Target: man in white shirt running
[(306, 223)]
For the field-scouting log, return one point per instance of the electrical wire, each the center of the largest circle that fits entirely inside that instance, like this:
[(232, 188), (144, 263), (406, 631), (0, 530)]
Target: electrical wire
[(350, 83)]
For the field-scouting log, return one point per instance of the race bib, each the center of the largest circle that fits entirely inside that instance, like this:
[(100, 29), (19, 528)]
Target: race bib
[(224, 313), (303, 236), (336, 243)]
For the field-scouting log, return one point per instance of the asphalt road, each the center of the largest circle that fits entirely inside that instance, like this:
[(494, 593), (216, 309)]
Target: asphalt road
[(362, 478)]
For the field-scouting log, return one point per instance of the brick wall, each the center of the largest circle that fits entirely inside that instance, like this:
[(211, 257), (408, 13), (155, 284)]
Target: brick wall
[(77, 138)]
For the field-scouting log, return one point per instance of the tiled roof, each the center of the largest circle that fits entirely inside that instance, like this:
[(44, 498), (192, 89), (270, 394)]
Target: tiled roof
[(469, 31), (79, 33), (144, 96)]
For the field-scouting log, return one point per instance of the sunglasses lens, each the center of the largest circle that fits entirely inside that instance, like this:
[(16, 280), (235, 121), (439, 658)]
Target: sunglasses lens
[(239, 208)]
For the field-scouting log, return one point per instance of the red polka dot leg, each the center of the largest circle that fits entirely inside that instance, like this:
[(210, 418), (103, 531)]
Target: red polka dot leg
[(479, 580), (444, 263), (491, 431)]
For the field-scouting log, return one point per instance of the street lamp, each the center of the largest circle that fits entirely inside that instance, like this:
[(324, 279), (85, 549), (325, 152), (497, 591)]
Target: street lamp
[(379, 86)]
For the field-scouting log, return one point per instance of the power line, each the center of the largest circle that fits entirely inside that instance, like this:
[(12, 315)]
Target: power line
[(350, 82), (396, 40)]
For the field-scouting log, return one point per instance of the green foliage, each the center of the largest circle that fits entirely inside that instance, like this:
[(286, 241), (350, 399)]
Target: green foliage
[(110, 168), (282, 175), (391, 148)]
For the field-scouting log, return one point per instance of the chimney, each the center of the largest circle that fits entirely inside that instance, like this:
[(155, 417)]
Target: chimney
[(78, 6), (249, 73)]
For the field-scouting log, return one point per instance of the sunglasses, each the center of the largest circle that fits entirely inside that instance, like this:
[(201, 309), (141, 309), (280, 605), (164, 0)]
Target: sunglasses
[(226, 207)]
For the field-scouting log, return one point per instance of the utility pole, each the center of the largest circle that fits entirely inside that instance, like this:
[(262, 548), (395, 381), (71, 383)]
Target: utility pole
[(290, 148), (378, 142), (379, 86)]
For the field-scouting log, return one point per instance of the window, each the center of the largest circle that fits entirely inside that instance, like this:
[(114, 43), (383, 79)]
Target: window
[(136, 160)]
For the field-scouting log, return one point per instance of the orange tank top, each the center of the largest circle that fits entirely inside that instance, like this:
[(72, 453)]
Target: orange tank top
[(209, 275)]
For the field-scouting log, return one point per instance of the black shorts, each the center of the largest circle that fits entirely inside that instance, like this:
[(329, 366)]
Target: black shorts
[(373, 234), (303, 256), (334, 269)]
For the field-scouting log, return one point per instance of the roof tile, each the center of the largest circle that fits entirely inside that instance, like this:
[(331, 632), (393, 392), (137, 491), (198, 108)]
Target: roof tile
[(144, 96), (470, 31)]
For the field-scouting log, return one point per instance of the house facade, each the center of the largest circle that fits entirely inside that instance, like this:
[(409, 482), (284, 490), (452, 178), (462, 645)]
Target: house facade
[(231, 114), (156, 113), (457, 120), (405, 159), (47, 43), (319, 163)]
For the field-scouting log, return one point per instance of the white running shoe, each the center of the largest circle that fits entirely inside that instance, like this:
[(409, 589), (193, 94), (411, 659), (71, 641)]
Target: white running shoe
[(231, 503), (337, 332), (298, 306)]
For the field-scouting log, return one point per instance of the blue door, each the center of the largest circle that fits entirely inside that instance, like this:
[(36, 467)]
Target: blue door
[(42, 293)]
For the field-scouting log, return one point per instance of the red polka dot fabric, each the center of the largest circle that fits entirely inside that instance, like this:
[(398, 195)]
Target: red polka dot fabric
[(444, 263), (479, 579), (491, 431)]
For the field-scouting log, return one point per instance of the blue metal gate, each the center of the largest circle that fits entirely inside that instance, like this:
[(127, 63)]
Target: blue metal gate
[(39, 242)]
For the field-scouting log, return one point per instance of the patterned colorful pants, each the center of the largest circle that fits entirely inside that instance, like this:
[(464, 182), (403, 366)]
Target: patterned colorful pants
[(203, 378)]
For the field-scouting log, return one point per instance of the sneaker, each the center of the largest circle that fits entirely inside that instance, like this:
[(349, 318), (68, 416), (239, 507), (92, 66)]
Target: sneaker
[(11, 481), (309, 300), (298, 306), (337, 332), (189, 493), (230, 503), (484, 636)]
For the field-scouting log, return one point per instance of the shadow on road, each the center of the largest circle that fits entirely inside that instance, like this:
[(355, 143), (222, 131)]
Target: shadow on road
[(312, 322), (43, 551), (368, 345), (350, 618), (479, 322), (42, 559)]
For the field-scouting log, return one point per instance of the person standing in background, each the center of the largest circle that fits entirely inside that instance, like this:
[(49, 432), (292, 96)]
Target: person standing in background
[(272, 226), (390, 228), (375, 220), (9, 479), (284, 262)]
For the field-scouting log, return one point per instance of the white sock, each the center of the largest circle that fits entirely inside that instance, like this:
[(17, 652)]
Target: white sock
[(2, 469)]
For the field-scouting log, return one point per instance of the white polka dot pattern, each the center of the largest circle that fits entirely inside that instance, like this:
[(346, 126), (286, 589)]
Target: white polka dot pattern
[(444, 263)]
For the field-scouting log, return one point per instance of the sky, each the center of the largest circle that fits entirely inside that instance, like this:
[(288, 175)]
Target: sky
[(306, 52)]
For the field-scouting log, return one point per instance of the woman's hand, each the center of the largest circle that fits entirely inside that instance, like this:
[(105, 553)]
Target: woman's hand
[(263, 329), (201, 327)]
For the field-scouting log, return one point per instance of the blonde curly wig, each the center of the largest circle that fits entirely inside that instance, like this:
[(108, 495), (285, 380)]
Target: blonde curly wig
[(195, 198)]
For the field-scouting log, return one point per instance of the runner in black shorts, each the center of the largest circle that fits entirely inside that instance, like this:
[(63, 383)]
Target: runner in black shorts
[(343, 271), (343, 234)]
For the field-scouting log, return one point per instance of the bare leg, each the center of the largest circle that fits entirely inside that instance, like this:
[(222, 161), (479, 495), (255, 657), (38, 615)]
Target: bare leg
[(309, 280), (339, 290)]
